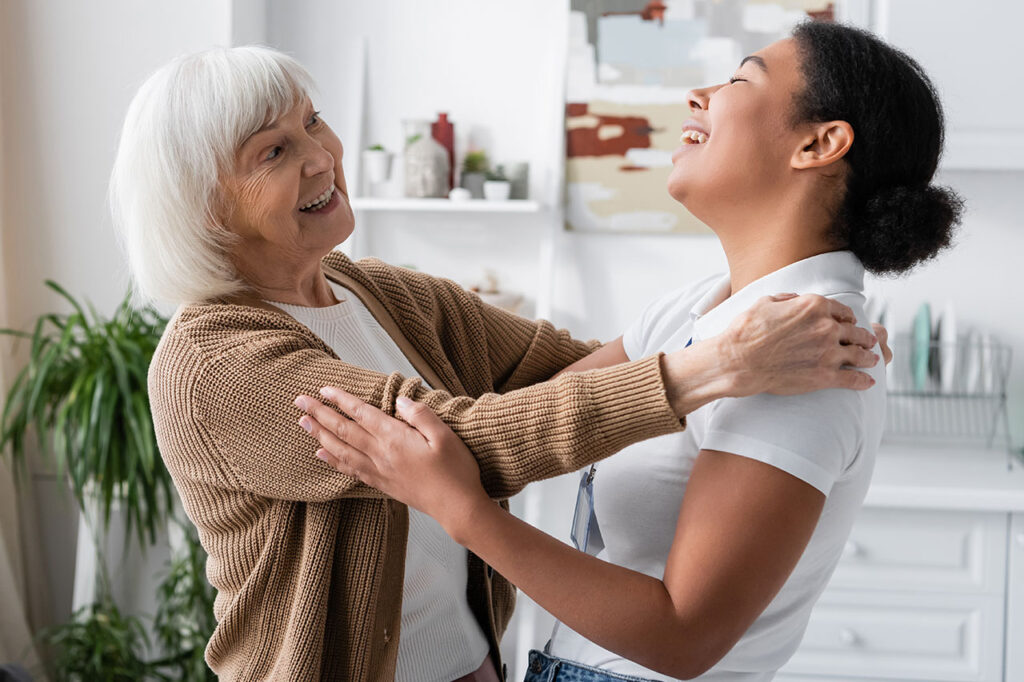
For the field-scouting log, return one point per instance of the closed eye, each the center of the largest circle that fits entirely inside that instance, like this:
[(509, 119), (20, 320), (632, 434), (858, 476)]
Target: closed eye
[(736, 80)]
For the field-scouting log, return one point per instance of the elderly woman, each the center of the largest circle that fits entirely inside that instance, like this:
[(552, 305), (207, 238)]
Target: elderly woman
[(229, 194)]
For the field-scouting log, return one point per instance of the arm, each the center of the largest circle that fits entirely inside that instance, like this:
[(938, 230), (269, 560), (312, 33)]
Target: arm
[(613, 353), (708, 595), (238, 381), (516, 352)]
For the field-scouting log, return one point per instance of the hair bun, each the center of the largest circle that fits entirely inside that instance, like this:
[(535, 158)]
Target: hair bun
[(905, 225)]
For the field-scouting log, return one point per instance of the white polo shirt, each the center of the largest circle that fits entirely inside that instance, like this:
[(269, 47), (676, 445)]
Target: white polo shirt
[(827, 439)]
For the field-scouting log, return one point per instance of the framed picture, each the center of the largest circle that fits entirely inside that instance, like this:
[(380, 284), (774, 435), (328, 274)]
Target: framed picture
[(631, 63)]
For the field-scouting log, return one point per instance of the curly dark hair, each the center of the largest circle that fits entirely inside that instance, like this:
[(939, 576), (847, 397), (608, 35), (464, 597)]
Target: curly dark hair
[(891, 216)]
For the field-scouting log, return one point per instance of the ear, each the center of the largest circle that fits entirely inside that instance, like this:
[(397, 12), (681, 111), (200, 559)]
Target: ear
[(825, 144)]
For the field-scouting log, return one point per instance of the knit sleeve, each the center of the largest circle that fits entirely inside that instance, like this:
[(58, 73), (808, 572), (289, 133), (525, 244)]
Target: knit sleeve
[(240, 397), (516, 351)]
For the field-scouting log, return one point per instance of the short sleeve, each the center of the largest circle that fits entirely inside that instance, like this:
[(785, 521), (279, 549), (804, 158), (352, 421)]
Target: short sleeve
[(638, 340), (814, 437)]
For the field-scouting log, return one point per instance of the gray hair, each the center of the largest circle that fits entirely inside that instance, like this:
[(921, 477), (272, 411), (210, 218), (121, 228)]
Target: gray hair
[(180, 134)]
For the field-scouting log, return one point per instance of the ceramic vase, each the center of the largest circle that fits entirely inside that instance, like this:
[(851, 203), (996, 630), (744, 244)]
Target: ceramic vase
[(426, 162)]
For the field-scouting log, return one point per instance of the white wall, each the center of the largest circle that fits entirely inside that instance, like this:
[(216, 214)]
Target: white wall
[(69, 71)]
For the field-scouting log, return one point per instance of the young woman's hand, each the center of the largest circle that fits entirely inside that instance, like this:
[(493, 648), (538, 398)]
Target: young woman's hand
[(422, 463)]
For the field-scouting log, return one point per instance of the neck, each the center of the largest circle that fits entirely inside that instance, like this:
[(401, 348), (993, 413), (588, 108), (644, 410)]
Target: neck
[(756, 247), (284, 280)]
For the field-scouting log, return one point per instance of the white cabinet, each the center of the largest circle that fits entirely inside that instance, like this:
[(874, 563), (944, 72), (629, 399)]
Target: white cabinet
[(917, 595), (970, 51), (1015, 602)]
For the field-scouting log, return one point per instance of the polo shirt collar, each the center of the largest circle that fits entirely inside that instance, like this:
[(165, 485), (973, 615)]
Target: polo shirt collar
[(827, 274)]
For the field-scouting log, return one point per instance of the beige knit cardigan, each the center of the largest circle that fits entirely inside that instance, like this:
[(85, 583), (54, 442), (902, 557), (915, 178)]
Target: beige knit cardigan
[(308, 563)]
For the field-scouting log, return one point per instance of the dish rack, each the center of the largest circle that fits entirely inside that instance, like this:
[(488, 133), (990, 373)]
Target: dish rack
[(949, 393)]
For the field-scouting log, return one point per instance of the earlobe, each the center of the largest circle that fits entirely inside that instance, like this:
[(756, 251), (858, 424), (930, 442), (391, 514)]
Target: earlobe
[(829, 142)]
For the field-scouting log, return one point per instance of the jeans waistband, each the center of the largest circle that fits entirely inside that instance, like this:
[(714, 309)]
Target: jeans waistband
[(545, 668)]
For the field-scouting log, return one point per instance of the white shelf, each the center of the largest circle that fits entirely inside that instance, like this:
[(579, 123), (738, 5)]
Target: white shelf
[(445, 205)]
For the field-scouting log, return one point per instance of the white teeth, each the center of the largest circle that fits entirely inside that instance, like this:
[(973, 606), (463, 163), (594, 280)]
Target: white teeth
[(693, 137), (320, 201)]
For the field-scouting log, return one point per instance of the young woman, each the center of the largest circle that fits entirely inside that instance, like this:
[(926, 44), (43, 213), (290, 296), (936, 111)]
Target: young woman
[(812, 165)]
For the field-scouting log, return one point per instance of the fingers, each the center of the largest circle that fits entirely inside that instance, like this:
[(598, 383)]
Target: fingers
[(857, 356), (322, 419), (421, 418), (853, 379), (332, 445), (379, 424), (840, 312), (883, 341), (852, 334), (366, 415), (351, 462)]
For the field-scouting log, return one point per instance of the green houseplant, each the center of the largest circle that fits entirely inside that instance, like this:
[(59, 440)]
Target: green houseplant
[(474, 170), (84, 395)]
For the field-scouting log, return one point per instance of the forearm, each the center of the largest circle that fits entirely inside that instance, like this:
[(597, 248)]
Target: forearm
[(559, 426), (619, 609)]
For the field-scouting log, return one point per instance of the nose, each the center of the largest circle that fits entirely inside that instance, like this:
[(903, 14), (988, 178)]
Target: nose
[(700, 98), (317, 159)]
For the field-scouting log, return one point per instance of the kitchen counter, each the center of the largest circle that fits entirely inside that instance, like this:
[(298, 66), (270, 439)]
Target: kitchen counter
[(945, 477)]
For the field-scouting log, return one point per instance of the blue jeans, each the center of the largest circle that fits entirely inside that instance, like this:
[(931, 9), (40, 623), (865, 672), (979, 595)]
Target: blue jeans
[(544, 668)]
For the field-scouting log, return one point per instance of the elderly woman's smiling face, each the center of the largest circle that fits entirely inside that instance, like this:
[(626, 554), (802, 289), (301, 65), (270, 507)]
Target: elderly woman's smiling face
[(286, 198)]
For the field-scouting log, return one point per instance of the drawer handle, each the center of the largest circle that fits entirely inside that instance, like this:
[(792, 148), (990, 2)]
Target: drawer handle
[(848, 637), (851, 550)]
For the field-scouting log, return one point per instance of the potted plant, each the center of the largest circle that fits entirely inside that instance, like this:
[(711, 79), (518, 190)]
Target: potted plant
[(377, 162), (474, 169), (496, 186), (84, 392), (100, 642), (84, 395)]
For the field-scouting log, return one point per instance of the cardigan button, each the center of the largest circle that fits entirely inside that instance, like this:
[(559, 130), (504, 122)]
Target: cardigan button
[(387, 636)]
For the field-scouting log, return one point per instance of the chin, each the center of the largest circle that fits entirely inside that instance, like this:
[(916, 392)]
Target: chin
[(678, 185)]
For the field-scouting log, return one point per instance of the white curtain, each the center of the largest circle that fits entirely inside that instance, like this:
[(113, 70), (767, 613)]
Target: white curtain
[(22, 595)]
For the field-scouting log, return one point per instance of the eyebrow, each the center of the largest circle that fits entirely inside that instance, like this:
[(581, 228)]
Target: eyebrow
[(757, 60)]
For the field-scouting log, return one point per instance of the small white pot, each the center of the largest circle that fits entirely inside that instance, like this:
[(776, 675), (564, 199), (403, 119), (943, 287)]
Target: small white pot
[(377, 163), (497, 190)]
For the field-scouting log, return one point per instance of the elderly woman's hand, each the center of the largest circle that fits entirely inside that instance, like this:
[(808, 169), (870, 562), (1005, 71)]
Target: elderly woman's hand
[(883, 341), (422, 463), (785, 344), (788, 345)]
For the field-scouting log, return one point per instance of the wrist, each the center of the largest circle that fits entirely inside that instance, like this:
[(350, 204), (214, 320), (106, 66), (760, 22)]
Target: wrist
[(697, 376), (462, 517)]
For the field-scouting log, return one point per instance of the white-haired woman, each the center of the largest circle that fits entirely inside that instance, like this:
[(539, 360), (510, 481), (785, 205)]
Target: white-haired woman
[(229, 194)]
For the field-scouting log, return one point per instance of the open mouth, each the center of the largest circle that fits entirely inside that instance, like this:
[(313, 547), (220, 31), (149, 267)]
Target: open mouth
[(693, 137), (320, 202)]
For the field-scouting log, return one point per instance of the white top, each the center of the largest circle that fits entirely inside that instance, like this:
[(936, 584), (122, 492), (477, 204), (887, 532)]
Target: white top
[(439, 640), (828, 439)]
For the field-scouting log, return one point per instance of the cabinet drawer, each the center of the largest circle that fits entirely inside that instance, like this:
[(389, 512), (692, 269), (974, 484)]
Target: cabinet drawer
[(903, 637), (929, 551)]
